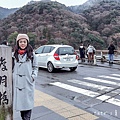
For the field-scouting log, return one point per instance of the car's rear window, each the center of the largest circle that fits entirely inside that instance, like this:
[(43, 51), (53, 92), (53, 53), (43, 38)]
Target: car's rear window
[(66, 50)]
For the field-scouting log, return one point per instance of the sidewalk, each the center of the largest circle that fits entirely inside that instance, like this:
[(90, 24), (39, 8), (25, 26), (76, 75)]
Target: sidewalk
[(115, 65), (50, 108)]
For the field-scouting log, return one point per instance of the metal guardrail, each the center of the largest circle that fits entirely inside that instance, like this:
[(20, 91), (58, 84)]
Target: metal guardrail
[(100, 54)]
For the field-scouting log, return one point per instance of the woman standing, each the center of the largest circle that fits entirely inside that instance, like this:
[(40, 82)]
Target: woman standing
[(24, 73), (91, 51), (111, 49), (82, 52)]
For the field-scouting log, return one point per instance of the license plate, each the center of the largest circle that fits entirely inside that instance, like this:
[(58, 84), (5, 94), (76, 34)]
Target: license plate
[(67, 59)]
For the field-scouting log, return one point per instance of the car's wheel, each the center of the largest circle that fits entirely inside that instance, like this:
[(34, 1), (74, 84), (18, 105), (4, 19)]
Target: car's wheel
[(50, 67), (73, 68)]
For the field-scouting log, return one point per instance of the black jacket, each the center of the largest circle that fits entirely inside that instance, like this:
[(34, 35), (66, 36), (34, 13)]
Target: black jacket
[(111, 49)]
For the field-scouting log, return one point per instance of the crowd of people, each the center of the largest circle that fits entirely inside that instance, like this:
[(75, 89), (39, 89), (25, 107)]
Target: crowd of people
[(89, 52)]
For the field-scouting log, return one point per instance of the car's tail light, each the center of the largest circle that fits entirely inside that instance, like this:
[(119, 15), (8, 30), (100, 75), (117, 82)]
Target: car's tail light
[(56, 56), (77, 57)]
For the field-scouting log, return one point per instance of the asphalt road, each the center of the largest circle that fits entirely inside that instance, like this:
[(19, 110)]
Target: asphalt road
[(92, 88)]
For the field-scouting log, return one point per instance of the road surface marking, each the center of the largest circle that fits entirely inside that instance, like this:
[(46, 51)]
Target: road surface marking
[(109, 77), (114, 101), (101, 80), (116, 75), (100, 87), (88, 93), (76, 89)]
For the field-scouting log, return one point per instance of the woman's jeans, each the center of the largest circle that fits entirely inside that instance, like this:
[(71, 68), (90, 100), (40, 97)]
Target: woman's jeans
[(110, 57), (26, 115)]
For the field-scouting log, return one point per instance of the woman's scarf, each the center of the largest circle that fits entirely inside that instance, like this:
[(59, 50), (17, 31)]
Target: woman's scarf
[(21, 52)]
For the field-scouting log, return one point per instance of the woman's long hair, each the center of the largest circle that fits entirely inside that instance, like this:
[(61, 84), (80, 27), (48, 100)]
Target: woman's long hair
[(29, 51)]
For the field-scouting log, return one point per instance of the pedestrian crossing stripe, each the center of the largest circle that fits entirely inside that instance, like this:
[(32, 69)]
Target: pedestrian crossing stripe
[(88, 93), (100, 87), (101, 80), (116, 75), (92, 85), (109, 77), (76, 89)]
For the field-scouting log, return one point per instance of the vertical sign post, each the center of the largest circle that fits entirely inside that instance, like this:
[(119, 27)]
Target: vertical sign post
[(6, 105)]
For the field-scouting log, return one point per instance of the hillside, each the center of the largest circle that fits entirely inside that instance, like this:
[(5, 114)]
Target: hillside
[(104, 18), (4, 12), (88, 4), (51, 22)]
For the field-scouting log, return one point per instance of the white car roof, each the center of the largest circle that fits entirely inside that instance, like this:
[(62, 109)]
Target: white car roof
[(56, 45)]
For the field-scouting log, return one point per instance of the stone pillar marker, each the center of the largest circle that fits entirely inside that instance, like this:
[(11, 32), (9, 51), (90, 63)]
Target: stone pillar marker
[(6, 85)]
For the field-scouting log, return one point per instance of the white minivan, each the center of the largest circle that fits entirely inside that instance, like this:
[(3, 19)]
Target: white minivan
[(55, 57)]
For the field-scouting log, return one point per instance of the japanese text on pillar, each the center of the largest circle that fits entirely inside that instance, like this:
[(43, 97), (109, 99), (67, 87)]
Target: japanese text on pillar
[(3, 82)]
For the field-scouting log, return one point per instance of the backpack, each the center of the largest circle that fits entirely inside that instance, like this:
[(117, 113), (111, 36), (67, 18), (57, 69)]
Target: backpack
[(90, 49)]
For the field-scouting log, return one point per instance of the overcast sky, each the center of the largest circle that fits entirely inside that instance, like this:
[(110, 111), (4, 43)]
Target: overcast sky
[(20, 3)]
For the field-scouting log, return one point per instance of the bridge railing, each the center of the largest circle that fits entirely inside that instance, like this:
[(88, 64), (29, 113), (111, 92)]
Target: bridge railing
[(104, 54)]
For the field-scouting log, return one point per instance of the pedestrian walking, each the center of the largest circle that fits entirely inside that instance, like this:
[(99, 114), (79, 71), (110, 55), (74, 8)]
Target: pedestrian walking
[(111, 49), (90, 51), (82, 52), (24, 74)]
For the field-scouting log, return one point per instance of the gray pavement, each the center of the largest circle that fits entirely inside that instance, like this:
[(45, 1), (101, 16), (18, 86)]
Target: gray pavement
[(48, 107), (41, 113), (115, 65)]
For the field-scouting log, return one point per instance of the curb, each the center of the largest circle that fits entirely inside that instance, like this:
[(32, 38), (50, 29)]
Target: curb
[(102, 64)]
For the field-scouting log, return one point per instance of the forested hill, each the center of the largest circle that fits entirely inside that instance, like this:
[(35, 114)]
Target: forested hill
[(4, 12), (52, 22), (104, 18), (88, 4)]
